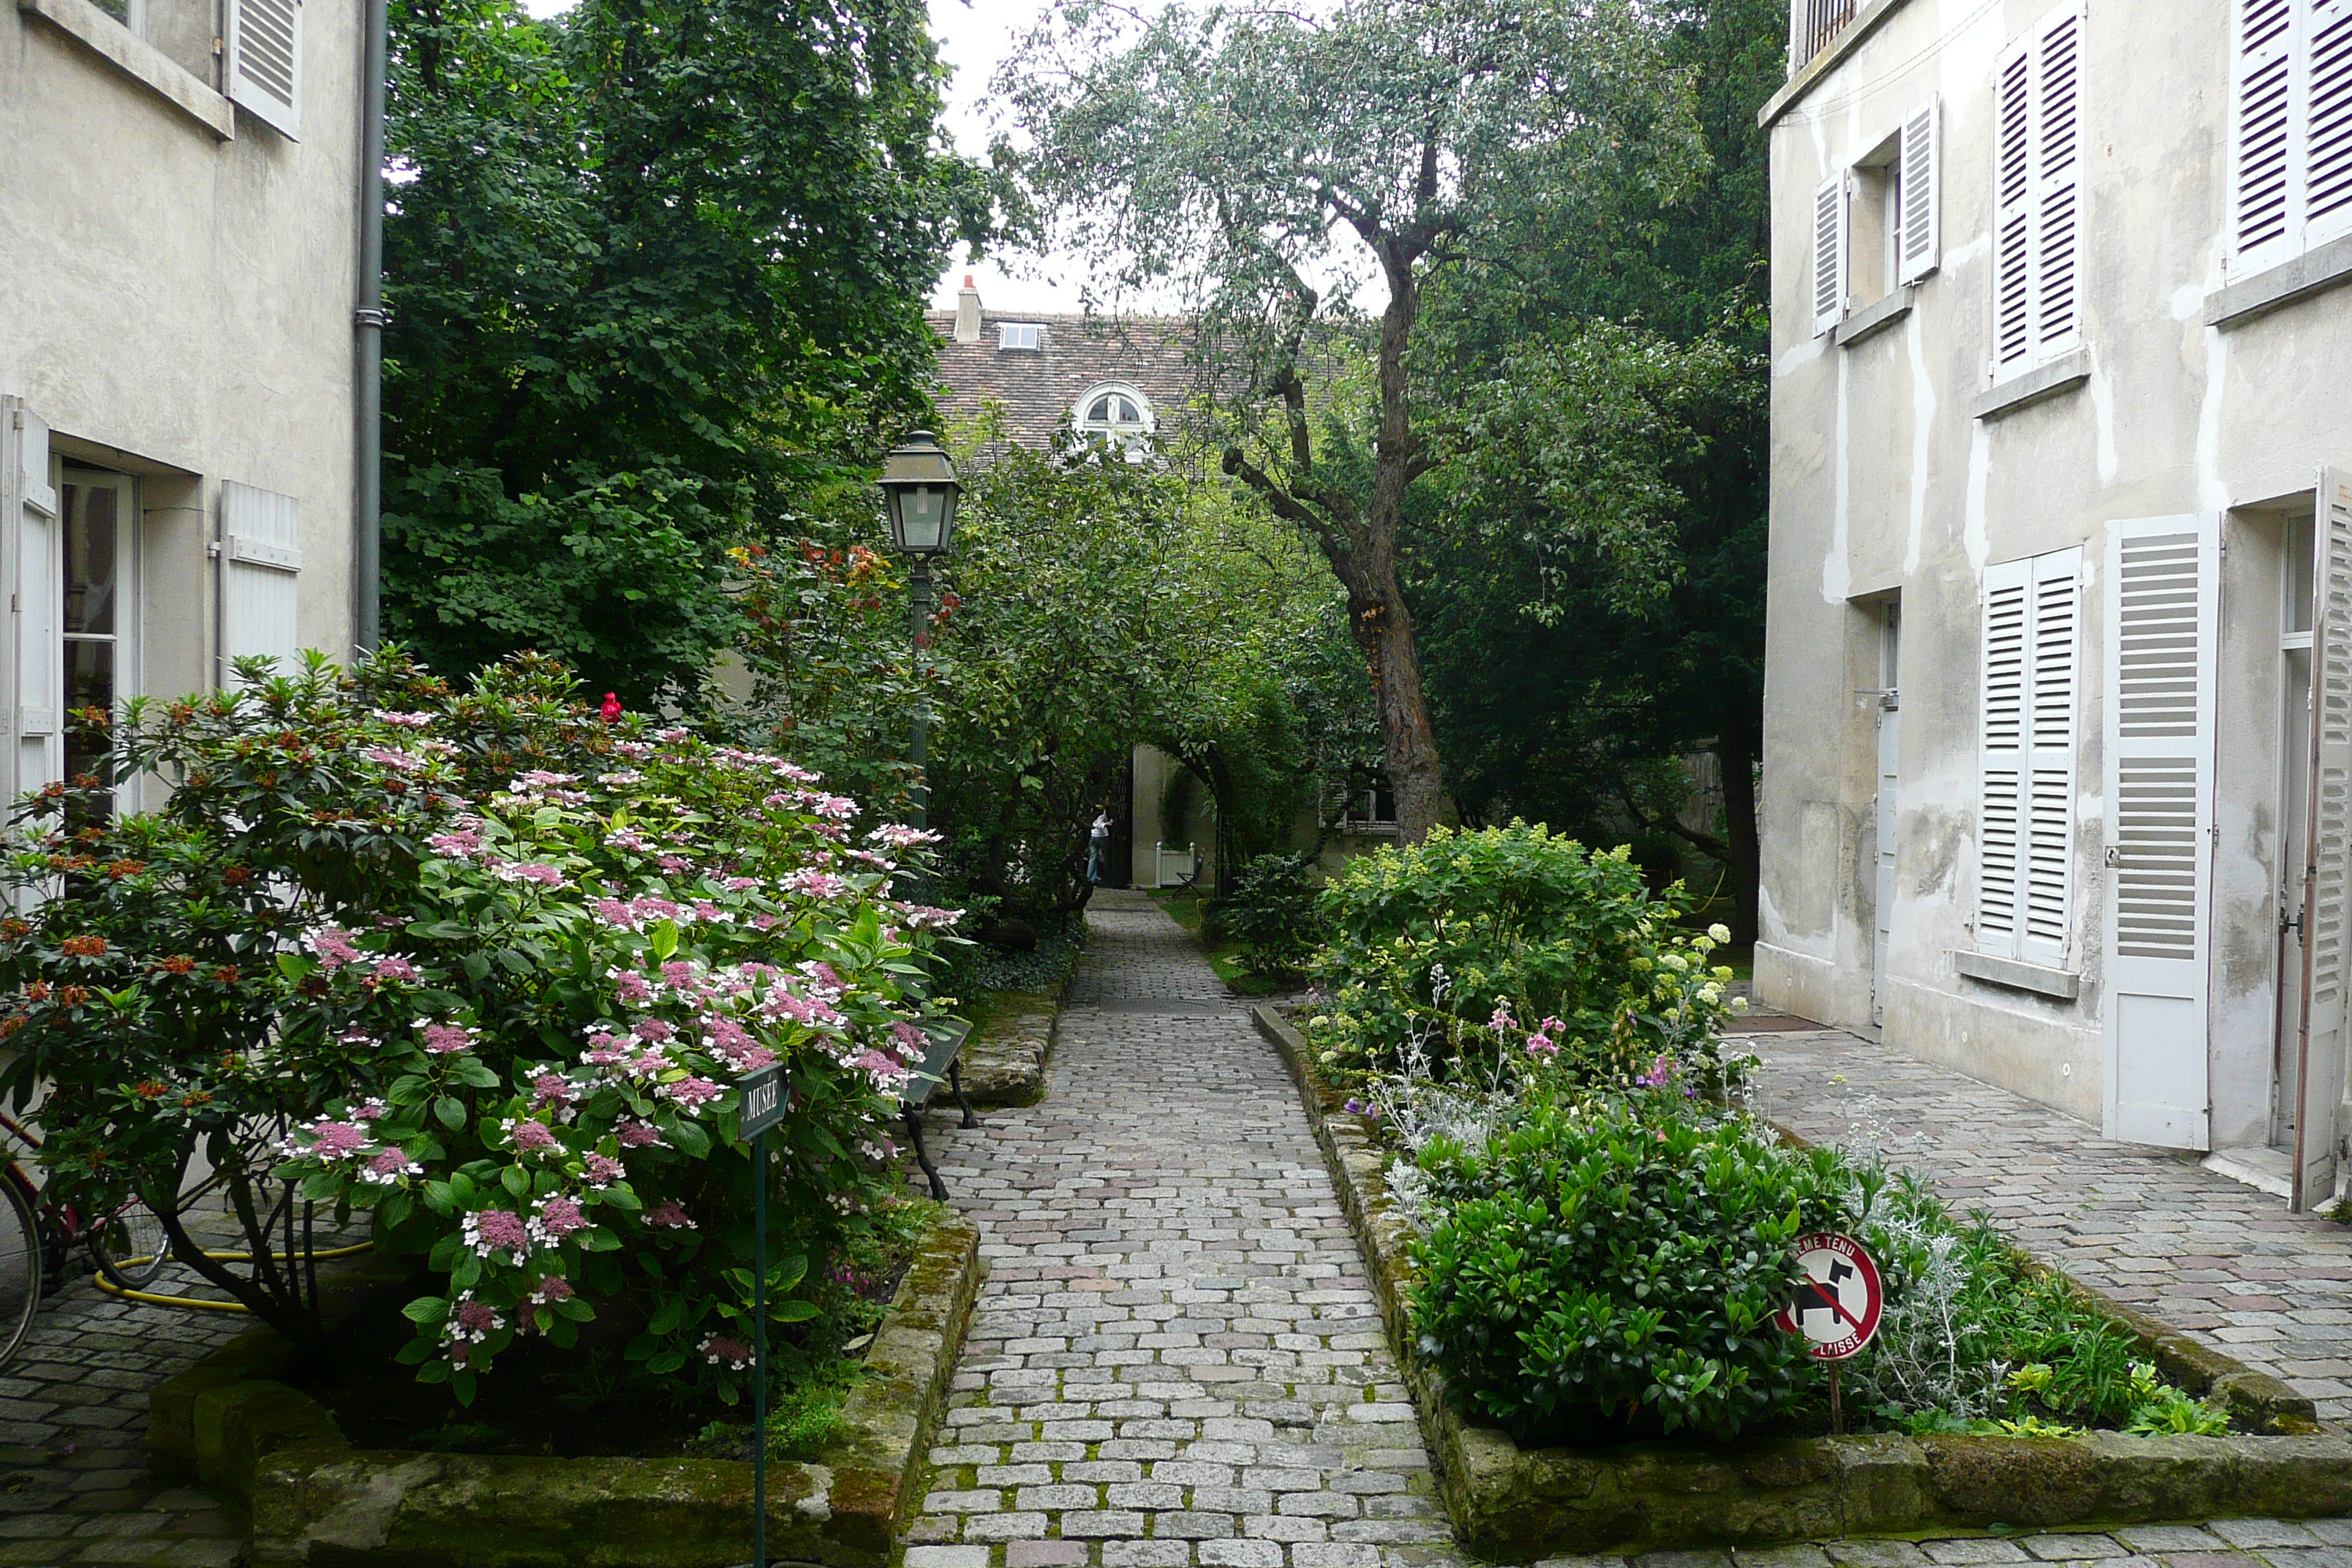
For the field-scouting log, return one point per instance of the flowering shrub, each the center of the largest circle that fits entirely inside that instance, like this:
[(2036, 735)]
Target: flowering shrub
[(486, 967), (1270, 909), (1476, 947)]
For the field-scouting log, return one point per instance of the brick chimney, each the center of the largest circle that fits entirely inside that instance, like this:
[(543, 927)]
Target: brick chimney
[(966, 313)]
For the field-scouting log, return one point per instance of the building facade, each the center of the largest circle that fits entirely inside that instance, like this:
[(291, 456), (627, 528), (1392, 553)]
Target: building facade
[(2062, 551), (179, 225)]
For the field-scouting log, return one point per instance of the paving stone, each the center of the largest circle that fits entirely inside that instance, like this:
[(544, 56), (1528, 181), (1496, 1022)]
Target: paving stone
[(2070, 1547), (2169, 1538), (2245, 1533), (1973, 1551)]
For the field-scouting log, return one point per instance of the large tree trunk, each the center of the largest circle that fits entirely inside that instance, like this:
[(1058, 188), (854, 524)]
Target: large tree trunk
[(1735, 754), (1383, 630)]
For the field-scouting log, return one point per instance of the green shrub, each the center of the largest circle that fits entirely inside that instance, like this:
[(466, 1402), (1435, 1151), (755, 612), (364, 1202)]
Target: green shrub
[(1470, 948), (1270, 909), (1618, 1260)]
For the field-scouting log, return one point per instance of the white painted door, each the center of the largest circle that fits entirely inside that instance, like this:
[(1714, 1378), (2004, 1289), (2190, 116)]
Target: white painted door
[(2162, 596), (1890, 712), (28, 506), (2319, 1087)]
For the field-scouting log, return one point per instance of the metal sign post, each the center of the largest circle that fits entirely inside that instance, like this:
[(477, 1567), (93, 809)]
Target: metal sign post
[(762, 1107), (1837, 1307)]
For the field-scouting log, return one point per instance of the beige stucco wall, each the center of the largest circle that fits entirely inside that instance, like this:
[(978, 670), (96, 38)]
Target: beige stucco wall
[(1883, 483), (180, 306)]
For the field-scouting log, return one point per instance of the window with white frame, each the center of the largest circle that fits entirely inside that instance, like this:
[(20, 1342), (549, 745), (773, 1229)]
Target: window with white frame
[(1022, 337), (2038, 194), (1117, 413), (2289, 129), (1875, 223), (2025, 819)]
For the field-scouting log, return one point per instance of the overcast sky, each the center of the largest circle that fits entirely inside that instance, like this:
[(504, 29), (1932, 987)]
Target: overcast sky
[(973, 36)]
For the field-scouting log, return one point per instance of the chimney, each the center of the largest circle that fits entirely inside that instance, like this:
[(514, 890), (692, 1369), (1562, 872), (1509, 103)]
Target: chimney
[(968, 312)]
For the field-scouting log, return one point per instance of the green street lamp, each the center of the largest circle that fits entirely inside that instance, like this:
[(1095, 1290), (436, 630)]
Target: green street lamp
[(919, 481)]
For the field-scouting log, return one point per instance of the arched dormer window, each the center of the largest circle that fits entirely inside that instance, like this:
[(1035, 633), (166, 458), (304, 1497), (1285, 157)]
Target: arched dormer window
[(1118, 413)]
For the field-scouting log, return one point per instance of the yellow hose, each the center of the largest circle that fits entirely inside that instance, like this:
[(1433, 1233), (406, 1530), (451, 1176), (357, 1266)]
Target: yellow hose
[(198, 1303)]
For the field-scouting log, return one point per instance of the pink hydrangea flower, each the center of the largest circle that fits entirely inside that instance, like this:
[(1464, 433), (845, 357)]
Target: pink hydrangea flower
[(470, 1322), (602, 1171), (404, 721), (670, 1215), (537, 871), (638, 1135), (631, 987), (462, 844), (692, 1094), (446, 1039), (336, 1140), (491, 1232), (897, 836), (553, 1289), (332, 945), (551, 1089), (392, 966), (720, 1350), (398, 762), (555, 1217), (532, 1138), (388, 1167), (613, 911), (655, 1030)]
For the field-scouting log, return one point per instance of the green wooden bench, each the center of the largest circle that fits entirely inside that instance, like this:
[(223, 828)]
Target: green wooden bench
[(939, 1064)]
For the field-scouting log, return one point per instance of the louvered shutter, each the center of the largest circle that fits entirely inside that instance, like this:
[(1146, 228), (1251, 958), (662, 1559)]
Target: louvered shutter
[(1829, 253), (2263, 109), (265, 61), (2047, 883), (2320, 1046), (37, 597), (2161, 601), (2012, 221), (2057, 183), (2327, 122), (1921, 244), (2002, 758), (263, 565)]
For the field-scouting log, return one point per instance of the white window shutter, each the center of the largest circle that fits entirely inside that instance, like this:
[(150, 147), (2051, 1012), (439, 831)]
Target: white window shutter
[(2012, 225), (265, 61), (1923, 197), (2317, 1090), (28, 502), (263, 563), (2327, 122), (2052, 688), (2002, 758), (2162, 601), (2057, 181), (1829, 253), (2263, 111)]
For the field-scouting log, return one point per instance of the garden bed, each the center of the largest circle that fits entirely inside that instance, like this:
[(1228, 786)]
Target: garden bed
[(315, 1497), (1512, 1504)]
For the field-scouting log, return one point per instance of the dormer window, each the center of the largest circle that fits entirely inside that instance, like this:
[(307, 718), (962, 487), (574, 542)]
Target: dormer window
[(1026, 337), (1115, 412)]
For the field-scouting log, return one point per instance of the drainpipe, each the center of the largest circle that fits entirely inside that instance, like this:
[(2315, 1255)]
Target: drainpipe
[(367, 520)]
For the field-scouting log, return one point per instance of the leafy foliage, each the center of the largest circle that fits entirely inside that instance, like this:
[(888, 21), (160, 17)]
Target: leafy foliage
[(1618, 1259), (652, 266), (485, 967), (1270, 907), (1457, 946)]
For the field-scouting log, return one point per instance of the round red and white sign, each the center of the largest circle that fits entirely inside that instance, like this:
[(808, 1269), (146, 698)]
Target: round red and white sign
[(1837, 1307)]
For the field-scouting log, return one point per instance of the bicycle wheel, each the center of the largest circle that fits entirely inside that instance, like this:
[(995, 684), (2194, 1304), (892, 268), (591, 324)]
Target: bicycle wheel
[(20, 1268), (130, 1248)]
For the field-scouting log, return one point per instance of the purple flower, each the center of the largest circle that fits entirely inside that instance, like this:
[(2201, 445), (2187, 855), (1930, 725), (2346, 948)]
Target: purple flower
[(656, 1031), (463, 844), (333, 1140), (387, 1168), (720, 1348), (602, 1171), (1660, 1071), (532, 1138), (398, 762), (392, 966), (638, 1135), (553, 1289), (537, 871), (493, 1231), (690, 1095), (334, 946), (670, 1215), (551, 1089), (471, 1321), (557, 1218), (446, 1039)]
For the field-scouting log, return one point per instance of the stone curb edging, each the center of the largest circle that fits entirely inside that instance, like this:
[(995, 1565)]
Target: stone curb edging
[(1007, 1065), (1515, 1505), (316, 1499)]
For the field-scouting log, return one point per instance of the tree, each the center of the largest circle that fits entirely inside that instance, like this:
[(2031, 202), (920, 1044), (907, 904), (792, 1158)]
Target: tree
[(1636, 335), (652, 267), (1242, 155)]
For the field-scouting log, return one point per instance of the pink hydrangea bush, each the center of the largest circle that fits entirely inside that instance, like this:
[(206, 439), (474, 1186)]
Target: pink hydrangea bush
[(487, 969)]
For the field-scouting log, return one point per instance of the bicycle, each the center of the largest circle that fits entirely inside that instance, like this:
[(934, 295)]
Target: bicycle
[(38, 1238)]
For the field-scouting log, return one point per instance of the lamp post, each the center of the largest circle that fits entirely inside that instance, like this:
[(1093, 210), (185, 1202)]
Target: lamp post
[(919, 480)]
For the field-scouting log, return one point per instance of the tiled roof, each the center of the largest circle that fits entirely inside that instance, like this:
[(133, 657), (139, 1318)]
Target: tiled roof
[(1038, 386)]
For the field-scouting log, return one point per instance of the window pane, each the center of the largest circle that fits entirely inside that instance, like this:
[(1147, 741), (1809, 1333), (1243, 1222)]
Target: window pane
[(1127, 414), (89, 683), (91, 529), (1100, 413)]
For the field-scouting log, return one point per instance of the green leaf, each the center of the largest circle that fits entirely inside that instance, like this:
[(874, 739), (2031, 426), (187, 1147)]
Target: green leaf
[(450, 1110)]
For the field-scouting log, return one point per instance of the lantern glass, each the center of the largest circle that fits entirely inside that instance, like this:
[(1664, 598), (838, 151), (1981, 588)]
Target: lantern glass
[(920, 480)]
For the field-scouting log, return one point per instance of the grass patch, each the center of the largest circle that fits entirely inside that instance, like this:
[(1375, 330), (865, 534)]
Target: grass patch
[(1184, 905)]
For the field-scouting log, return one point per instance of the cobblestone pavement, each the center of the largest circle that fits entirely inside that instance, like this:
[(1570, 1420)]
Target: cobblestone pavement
[(1176, 1358), (2226, 1543), (75, 1486), (2206, 1254)]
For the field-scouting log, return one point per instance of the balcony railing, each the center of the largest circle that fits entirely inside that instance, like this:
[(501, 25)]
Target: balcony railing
[(1814, 25)]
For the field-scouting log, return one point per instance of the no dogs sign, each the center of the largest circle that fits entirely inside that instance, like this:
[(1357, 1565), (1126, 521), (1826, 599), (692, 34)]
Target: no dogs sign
[(1837, 1307)]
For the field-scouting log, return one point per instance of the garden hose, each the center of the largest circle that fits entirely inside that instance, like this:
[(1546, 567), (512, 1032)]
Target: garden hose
[(198, 1303)]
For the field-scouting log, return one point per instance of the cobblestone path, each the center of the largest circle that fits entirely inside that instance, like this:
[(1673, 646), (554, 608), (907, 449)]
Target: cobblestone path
[(2206, 1254), (1176, 1358), (75, 1484)]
